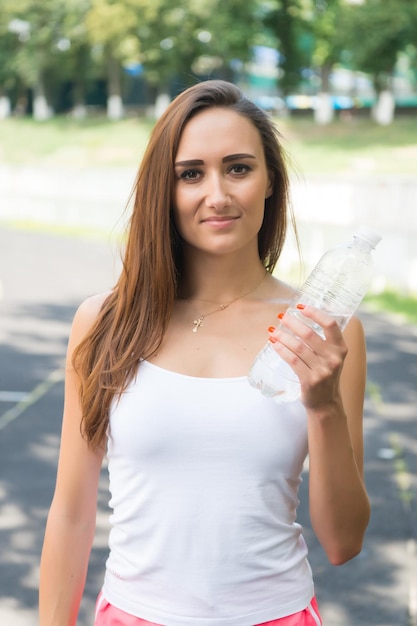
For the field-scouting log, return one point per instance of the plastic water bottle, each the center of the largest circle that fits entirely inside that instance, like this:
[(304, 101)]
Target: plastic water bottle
[(337, 286)]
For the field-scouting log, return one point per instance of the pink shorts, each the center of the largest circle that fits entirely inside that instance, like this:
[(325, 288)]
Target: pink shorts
[(108, 615)]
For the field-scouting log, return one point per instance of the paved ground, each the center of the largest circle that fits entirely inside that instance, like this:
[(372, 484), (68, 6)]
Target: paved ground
[(42, 279)]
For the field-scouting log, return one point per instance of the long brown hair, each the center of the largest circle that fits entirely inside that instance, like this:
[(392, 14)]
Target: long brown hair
[(133, 320)]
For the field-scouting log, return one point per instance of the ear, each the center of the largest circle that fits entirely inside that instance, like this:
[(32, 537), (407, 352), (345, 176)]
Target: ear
[(270, 187)]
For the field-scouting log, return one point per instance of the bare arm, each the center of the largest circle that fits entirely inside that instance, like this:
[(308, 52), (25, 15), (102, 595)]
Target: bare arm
[(71, 521), (332, 375)]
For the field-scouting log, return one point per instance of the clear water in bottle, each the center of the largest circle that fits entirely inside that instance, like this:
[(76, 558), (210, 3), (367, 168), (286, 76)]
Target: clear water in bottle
[(337, 286)]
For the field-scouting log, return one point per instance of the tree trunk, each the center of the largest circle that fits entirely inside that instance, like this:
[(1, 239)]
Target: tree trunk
[(161, 103), (5, 105), (384, 108), (41, 108), (114, 96), (79, 109), (324, 112)]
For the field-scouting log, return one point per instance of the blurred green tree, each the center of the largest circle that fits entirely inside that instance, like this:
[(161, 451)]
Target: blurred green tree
[(46, 44), (114, 31), (196, 39), (40, 41), (9, 43), (325, 27), (58, 40), (308, 35), (288, 21), (375, 32), (41, 44), (77, 65)]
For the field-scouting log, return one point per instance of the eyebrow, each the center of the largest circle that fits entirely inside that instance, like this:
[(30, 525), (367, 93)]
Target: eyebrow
[(226, 159)]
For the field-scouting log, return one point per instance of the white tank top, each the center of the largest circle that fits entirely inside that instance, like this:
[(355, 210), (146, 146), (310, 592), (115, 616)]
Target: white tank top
[(204, 474)]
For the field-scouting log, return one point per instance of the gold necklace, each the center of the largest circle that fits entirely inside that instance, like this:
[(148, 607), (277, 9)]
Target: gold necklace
[(198, 323)]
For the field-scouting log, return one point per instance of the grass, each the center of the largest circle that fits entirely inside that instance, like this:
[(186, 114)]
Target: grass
[(349, 147), (94, 142), (354, 147), (63, 229), (391, 301)]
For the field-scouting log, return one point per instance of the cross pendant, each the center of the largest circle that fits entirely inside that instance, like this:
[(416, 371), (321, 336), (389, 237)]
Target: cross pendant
[(197, 324)]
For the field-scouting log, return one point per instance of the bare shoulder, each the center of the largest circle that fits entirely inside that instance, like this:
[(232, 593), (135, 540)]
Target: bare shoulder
[(279, 290), (354, 333), (89, 310), (85, 317)]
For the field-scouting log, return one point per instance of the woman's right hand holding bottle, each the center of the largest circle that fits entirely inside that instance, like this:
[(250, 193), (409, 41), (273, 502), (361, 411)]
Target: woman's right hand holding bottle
[(317, 362)]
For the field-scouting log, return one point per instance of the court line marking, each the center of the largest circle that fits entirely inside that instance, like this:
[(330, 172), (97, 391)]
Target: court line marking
[(30, 398), (13, 396), (412, 595)]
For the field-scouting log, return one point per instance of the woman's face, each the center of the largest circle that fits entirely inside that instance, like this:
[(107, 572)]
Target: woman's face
[(221, 183)]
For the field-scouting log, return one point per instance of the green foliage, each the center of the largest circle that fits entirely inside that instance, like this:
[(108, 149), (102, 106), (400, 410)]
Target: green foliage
[(197, 37), (325, 26), (308, 34), (287, 21), (7, 52), (77, 39), (40, 51), (371, 34), (36, 52), (115, 25), (376, 31)]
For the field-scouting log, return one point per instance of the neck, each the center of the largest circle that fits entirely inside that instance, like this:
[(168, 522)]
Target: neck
[(219, 283)]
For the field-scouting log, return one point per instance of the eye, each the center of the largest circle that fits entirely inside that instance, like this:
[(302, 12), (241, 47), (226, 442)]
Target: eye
[(239, 169), (189, 175)]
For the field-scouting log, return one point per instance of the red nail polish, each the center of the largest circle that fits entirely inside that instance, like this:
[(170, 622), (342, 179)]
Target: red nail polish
[(280, 316), (301, 306), (271, 329), (273, 339)]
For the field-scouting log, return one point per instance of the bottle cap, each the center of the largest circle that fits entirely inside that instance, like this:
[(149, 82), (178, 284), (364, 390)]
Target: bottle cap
[(364, 232)]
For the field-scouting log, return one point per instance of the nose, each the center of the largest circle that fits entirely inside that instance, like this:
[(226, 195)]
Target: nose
[(217, 193)]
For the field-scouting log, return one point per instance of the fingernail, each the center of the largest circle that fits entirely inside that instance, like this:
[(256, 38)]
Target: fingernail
[(280, 316), (273, 339), (301, 306), (271, 329)]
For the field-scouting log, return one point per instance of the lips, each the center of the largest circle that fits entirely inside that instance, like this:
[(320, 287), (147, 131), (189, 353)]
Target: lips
[(220, 218), (220, 222)]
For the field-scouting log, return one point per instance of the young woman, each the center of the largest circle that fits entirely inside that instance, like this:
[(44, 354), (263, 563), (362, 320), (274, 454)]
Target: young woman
[(204, 470)]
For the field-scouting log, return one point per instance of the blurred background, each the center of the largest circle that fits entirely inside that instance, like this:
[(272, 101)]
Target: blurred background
[(81, 85), (82, 82)]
